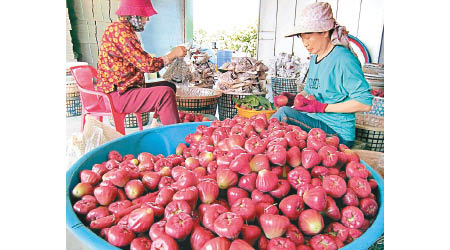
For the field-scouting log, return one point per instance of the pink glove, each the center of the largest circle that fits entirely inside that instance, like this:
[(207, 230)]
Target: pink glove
[(312, 106)]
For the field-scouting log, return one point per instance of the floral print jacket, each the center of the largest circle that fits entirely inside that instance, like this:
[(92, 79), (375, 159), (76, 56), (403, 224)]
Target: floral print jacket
[(121, 59)]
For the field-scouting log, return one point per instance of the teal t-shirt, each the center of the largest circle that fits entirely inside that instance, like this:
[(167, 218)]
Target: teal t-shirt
[(338, 77)]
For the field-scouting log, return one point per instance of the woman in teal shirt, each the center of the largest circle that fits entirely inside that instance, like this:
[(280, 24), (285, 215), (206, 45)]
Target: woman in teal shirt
[(335, 78)]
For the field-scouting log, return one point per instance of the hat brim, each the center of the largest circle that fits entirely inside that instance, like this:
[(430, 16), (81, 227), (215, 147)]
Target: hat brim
[(136, 11), (304, 28)]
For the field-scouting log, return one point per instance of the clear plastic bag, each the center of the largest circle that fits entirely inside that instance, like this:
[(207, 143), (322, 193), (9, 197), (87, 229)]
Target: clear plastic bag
[(95, 134)]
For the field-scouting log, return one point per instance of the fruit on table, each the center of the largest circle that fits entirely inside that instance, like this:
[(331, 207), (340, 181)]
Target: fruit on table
[(189, 117), (247, 183)]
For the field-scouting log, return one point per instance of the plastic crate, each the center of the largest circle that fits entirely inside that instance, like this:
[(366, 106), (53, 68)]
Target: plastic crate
[(223, 56), (227, 106), (130, 120), (280, 84), (164, 140), (73, 102), (373, 137), (73, 106)]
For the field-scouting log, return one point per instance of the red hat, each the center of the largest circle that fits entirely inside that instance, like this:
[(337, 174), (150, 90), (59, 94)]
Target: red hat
[(136, 8)]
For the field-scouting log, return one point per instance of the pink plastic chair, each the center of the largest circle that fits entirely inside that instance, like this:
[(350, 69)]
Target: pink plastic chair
[(97, 103)]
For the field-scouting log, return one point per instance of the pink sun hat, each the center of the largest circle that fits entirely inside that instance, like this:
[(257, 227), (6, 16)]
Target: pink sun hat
[(318, 17), (142, 8), (315, 17)]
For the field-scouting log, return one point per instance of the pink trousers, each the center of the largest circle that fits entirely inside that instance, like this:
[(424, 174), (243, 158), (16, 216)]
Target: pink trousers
[(158, 98)]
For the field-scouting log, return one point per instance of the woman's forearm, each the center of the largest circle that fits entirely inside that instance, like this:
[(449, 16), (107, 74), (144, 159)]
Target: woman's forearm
[(350, 106)]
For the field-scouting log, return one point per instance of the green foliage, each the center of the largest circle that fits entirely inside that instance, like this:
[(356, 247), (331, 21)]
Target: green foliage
[(241, 40)]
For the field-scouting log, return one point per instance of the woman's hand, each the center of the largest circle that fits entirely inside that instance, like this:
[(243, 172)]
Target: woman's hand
[(179, 51)]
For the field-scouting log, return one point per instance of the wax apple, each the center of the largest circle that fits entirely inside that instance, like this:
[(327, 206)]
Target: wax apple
[(316, 198), (189, 194), (334, 185), (199, 237), (97, 213), (228, 225), (323, 241), (84, 206), (329, 156), (280, 100), (350, 198), (164, 196), (294, 235), (211, 214), (226, 178), (310, 158), (280, 243), (208, 191), (273, 225), (140, 220), (277, 154), (120, 237), (292, 206), (165, 242), (356, 169), (250, 233), (332, 210), (360, 186), (248, 182), (185, 180), (218, 243), (310, 222), (259, 162), (134, 189), (245, 208), (299, 176), (141, 243), (294, 157), (179, 226), (266, 181), (234, 194), (369, 207), (151, 180), (176, 207), (283, 188), (118, 177), (89, 176), (259, 196), (338, 230), (352, 217), (82, 189), (105, 195)]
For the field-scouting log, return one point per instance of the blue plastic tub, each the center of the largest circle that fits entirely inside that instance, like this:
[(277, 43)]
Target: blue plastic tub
[(164, 140)]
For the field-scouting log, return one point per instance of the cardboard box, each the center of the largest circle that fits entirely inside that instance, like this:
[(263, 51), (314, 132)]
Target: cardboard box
[(114, 7), (84, 31), (82, 9), (88, 53), (101, 10), (101, 26)]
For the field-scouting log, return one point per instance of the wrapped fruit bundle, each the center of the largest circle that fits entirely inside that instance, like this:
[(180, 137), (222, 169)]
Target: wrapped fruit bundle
[(202, 70), (242, 75), (241, 183)]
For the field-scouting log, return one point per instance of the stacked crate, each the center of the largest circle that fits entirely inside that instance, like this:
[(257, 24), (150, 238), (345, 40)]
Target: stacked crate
[(70, 56), (89, 20)]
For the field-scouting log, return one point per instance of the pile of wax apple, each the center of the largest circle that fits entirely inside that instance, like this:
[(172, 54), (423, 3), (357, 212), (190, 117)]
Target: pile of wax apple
[(241, 183)]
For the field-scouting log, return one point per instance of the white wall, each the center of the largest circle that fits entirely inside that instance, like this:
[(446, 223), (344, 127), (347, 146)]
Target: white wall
[(362, 18)]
